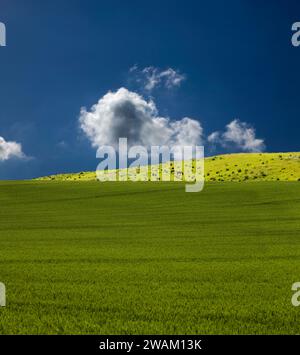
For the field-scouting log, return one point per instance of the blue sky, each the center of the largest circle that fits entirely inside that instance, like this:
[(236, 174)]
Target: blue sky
[(236, 57)]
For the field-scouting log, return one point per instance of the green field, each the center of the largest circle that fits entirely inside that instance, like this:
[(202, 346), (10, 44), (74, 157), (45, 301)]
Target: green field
[(148, 258)]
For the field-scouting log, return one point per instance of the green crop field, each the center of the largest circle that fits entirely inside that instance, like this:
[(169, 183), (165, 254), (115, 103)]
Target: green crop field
[(148, 258)]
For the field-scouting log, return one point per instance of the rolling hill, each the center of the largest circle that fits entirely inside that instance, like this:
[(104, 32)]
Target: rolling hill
[(148, 258), (229, 167)]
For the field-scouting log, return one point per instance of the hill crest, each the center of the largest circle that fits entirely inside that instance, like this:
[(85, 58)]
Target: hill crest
[(227, 167)]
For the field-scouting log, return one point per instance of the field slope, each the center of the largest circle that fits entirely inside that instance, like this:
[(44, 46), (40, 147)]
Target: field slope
[(230, 167), (148, 258)]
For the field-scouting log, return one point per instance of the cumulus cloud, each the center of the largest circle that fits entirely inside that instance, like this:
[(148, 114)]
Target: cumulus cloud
[(127, 114), (152, 77), (237, 135), (10, 150), (214, 137)]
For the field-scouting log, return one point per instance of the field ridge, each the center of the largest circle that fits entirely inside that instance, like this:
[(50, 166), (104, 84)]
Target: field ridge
[(227, 167)]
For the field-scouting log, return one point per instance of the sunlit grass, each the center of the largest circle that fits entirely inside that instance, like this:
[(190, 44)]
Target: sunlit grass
[(231, 167)]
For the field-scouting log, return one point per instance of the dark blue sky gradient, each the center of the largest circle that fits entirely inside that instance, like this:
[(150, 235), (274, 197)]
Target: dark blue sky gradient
[(62, 55)]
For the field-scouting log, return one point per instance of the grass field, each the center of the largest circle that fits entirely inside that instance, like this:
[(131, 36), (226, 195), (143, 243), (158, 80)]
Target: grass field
[(148, 258), (229, 167)]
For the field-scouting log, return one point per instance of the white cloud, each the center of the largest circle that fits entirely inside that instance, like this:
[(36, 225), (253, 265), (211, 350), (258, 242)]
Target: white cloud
[(10, 150), (126, 114), (214, 137), (152, 77), (238, 135)]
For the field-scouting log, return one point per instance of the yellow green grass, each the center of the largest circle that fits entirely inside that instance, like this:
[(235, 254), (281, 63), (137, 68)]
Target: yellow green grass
[(230, 167), (149, 258)]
